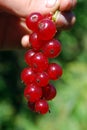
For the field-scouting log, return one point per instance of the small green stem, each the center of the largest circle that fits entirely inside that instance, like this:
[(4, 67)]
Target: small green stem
[(55, 16)]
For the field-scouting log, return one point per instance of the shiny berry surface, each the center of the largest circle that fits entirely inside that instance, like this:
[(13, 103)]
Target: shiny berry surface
[(32, 92), (39, 62), (28, 75), (36, 43), (46, 29), (41, 106), (32, 20), (28, 56), (49, 92), (42, 79), (54, 71), (40, 71), (52, 48)]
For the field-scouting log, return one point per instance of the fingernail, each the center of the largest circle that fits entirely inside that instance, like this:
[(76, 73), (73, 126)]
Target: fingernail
[(61, 20), (50, 3)]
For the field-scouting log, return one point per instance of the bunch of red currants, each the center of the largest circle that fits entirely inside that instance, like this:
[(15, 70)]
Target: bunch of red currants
[(40, 71)]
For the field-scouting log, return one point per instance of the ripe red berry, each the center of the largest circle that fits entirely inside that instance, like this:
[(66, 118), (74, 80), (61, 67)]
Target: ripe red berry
[(28, 56), (46, 29), (37, 76), (32, 20), (52, 48), (39, 62), (54, 71), (42, 79), (32, 92), (49, 92), (28, 75), (36, 43), (41, 106)]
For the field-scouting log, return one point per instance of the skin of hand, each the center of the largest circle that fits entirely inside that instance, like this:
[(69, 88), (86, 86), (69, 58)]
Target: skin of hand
[(12, 19)]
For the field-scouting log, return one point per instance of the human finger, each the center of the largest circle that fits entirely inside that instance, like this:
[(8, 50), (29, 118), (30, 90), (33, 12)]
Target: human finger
[(64, 20)]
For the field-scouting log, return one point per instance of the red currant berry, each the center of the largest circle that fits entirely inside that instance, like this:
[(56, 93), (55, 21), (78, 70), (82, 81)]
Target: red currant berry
[(32, 92), (35, 42), (46, 29), (28, 56), (32, 20), (39, 62), (49, 92), (54, 71), (42, 79), (28, 75), (31, 106), (41, 106), (52, 48)]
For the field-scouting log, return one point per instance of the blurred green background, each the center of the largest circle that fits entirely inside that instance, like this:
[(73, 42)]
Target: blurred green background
[(69, 108)]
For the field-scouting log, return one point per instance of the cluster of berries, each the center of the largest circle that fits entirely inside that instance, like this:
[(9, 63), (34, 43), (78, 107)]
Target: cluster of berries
[(40, 71)]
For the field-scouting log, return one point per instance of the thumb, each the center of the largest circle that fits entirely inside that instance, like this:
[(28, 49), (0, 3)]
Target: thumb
[(23, 8)]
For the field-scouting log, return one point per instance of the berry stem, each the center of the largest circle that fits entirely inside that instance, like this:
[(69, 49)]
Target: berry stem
[(54, 17)]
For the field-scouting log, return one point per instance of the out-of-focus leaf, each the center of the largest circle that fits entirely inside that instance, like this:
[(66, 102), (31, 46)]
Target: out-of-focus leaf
[(6, 111), (23, 123)]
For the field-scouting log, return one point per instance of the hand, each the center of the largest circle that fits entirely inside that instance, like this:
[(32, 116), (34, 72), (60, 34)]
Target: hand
[(14, 12)]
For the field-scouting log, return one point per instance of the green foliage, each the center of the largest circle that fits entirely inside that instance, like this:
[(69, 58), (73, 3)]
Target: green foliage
[(69, 108)]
